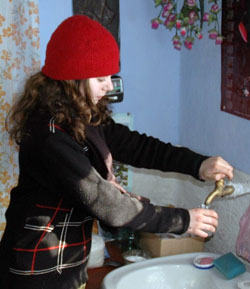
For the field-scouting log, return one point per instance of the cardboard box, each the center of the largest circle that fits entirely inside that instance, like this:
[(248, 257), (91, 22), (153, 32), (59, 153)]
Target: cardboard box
[(157, 246)]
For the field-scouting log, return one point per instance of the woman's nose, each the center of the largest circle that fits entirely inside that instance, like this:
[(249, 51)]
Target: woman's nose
[(109, 85)]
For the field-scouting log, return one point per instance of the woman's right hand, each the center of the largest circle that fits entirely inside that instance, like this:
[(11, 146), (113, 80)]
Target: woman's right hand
[(202, 221)]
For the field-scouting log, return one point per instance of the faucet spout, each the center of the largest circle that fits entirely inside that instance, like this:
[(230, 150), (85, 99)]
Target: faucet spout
[(219, 191)]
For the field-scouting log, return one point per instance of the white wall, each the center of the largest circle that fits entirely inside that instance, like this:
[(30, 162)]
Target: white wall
[(186, 192)]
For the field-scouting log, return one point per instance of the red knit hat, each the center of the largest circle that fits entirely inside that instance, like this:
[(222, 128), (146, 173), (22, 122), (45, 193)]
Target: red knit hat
[(81, 48)]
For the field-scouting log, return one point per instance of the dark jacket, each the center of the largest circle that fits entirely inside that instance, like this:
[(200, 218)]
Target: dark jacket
[(62, 186)]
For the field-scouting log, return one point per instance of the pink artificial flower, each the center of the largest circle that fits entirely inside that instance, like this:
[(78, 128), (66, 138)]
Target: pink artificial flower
[(167, 9), (215, 8), (188, 44), (178, 24), (155, 23), (172, 17), (192, 14), (191, 3), (192, 17), (205, 17), (213, 34), (183, 31), (191, 21), (199, 35), (170, 20), (177, 46), (176, 40), (169, 6), (219, 40), (165, 14)]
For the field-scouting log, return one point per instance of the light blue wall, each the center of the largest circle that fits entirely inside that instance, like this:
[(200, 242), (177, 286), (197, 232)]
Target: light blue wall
[(150, 69), (51, 13), (173, 95)]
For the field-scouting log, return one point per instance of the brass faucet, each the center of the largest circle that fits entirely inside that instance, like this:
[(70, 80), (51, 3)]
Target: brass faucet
[(219, 191)]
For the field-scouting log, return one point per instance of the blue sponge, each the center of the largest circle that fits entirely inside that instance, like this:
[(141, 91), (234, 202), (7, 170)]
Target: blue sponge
[(229, 265)]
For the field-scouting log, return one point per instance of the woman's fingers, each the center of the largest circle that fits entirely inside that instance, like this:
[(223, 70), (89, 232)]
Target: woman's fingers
[(202, 221), (215, 168)]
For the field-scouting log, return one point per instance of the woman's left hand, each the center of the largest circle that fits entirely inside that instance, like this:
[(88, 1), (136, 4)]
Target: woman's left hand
[(202, 221), (215, 168)]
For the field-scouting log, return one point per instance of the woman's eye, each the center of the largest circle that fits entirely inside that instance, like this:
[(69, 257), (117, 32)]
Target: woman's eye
[(101, 79)]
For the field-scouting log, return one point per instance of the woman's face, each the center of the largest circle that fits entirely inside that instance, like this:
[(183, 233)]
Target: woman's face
[(99, 86)]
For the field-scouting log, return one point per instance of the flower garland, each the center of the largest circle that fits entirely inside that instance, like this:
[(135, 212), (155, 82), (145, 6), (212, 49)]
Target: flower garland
[(187, 20)]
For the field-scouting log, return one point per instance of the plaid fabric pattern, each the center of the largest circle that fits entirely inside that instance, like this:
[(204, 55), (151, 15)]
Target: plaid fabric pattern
[(54, 239)]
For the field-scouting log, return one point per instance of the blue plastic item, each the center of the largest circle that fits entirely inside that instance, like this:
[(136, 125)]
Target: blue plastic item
[(229, 265)]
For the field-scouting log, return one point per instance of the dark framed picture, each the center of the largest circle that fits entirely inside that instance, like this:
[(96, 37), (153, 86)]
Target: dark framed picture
[(104, 11), (235, 88)]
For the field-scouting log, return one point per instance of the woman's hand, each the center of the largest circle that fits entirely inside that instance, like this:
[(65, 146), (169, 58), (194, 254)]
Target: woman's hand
[(215, 168), (202, 221)]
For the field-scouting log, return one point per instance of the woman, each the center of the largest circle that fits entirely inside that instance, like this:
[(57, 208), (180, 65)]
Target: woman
[(67, 140)]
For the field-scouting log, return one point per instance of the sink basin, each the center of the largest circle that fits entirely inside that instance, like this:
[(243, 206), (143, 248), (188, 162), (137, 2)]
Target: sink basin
[(171, 272)]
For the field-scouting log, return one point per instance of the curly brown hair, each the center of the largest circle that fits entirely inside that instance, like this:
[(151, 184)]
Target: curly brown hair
[(68, 101)]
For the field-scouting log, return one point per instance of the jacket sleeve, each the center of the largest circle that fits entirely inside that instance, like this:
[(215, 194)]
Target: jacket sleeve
[(142, 151), (78, 180)]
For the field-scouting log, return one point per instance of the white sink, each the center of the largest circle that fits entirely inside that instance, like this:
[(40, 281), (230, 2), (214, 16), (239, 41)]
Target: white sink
[(171, 272)]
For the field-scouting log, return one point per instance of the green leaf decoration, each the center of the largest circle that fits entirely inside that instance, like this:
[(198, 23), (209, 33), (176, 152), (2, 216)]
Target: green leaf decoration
[(157, 3)]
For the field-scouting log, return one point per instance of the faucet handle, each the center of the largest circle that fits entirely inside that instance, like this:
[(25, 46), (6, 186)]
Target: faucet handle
[(228, 190), (219, 191), (219, 184)]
